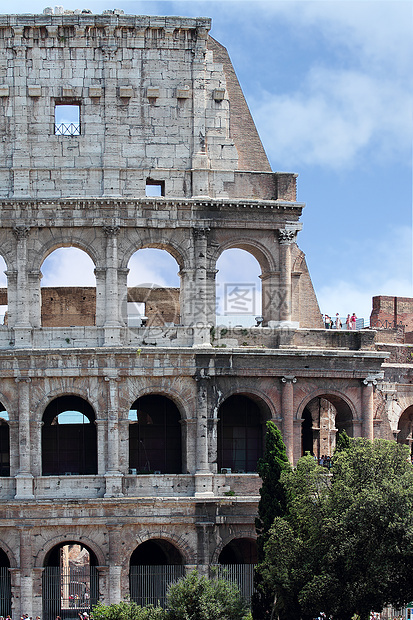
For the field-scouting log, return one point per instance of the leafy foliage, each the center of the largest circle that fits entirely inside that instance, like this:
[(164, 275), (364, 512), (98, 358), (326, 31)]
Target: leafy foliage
[(127, 611), (345, 544), (198, 598)]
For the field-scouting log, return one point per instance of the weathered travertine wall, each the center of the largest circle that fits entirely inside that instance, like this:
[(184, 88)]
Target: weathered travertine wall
[(172, 413)]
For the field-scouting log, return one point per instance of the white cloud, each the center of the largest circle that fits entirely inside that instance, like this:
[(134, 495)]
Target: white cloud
[(334, 117), (68, 267), (374, 268)]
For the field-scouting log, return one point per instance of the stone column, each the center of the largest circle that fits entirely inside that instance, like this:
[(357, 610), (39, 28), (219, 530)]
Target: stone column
[(22, 328), (110, 163), (26, 566), (101, 437), (200, 301), (203, 476), (112, 325), (24, 479), (21, 151), (35, 294), (100, 275), (286, 237), (123, 295), (200, 160), (287, 409), (113, 475), (115, 564), (14, 447), (271, 294), (190, 429), (368, 407)]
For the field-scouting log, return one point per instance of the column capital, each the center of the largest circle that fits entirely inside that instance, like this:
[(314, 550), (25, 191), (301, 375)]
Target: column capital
[(370, 381), (201, 233), (111, 231), (289, 379), (286, 236), (21, 231)]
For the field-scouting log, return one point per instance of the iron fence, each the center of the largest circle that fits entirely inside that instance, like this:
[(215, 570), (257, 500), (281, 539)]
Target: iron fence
[(242, 575), (149, 584), (5, 592), (69, 592)]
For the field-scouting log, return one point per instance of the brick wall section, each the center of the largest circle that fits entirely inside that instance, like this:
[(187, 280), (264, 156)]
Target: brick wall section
[(161, 304), (305, 308), (391, 311), (64, 306), (242, 127)]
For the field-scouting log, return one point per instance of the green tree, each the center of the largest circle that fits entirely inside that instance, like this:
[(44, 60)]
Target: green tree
[(345, 544), (272, 504), (198, 598)]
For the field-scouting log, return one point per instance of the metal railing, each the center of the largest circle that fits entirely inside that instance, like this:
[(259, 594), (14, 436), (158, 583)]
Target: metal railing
[(242, 575), (5, 592), (68, 592), (67, 129), (149, 584)]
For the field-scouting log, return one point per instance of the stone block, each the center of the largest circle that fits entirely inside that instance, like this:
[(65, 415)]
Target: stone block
[(125, 92), (183, 92), (4, 91), (95, 91), (34, 91)]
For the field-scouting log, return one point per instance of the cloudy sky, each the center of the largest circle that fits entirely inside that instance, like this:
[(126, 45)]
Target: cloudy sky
[(329, 84)]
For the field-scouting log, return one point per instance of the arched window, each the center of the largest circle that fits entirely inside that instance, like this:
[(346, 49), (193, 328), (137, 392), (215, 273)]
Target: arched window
[(155, 436), (323, 418), (154, 565), (405, 427), (240, 434), (238, 289), (68, 289), (69, 444), (3, 293), (236, 563), (153, 289), (70, 582), (4, 442)]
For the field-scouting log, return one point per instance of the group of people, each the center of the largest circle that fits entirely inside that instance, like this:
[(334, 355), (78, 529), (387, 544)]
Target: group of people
[(337, 324)]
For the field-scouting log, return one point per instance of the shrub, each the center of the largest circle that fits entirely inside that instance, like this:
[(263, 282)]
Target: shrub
[(198, 598), (127, 611)]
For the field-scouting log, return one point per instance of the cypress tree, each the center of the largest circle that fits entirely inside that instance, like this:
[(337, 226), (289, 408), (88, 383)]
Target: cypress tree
[(272, 504)]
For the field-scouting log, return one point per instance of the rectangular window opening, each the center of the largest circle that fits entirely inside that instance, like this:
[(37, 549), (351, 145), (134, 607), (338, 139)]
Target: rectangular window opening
[(67, 119), (155, 188)]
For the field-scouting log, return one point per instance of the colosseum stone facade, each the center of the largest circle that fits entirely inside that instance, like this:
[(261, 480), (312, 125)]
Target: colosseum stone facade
[(129, 452)]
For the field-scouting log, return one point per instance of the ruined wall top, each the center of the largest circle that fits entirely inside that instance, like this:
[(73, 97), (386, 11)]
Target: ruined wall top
[(111, 104)]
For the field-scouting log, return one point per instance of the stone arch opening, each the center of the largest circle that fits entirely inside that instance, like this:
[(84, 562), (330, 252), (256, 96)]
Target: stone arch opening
[(155, 436), (4, 314), (236, 563), (241, 433), (4, 442), (69, 439), (153, 288), (154, 565), (238, 288), (239, 551), (405, 428), (5, 585), (68, 289), (323, 417), (70, 581)]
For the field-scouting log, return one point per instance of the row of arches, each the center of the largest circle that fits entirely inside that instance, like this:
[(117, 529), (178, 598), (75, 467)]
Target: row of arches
[(156, 435), (238, 291), (70, 574)]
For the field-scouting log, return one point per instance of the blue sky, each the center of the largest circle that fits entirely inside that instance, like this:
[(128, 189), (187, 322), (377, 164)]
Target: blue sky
[(329, 84)]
